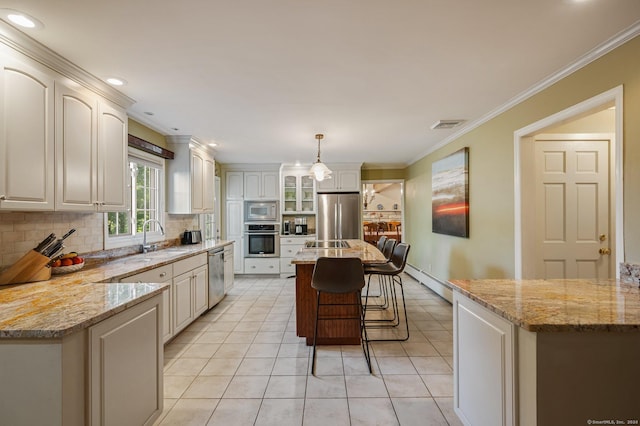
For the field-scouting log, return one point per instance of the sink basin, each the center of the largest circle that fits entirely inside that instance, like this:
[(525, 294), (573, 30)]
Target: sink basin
[(327, 244), (138, 260), (177, 250)]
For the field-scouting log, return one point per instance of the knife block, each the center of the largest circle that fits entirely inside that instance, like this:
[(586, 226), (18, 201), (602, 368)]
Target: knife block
[(30, 267)]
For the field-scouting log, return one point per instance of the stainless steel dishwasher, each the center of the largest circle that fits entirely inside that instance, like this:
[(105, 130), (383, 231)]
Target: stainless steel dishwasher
[(216, 276)]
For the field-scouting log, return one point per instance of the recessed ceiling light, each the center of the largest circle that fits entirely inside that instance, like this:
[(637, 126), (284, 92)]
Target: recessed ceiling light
[(116, 81), (21, 19), (213, 144)]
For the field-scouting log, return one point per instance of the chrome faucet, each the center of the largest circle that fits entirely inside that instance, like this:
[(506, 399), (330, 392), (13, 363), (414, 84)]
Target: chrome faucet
[(147, 247)]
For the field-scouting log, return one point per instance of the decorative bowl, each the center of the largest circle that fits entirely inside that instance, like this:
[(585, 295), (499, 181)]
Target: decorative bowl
[(57, 270)]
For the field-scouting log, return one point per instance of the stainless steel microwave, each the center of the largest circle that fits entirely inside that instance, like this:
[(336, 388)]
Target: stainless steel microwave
[(261, 211)]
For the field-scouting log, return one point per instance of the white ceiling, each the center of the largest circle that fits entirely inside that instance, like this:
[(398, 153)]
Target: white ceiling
[(261, 77)]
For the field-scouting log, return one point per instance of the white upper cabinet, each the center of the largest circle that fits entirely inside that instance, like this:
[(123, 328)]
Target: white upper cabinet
[(26, 136), (298, 190), (91, 153), (345, 178), (190, 177), (261, 185), (63, 146), (113, 170), (235, 185)]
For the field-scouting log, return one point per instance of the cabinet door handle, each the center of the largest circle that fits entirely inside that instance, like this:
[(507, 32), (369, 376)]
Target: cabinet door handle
[(3, 197), (162, 275)]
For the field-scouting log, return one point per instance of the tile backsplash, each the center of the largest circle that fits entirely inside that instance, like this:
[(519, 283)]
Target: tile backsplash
[(21, 231)]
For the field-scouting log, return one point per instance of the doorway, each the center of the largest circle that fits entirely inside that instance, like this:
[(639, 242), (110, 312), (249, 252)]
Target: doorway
[(382, 209), (551, 236)]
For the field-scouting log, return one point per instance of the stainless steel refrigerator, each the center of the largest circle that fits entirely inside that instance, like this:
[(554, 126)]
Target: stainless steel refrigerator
[(338, 216)]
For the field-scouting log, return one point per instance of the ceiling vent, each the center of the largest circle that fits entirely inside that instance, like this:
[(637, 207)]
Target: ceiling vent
[(446, 124)]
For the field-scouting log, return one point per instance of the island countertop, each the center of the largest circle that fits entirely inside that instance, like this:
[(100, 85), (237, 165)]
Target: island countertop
[(357, 248), (558, 305)]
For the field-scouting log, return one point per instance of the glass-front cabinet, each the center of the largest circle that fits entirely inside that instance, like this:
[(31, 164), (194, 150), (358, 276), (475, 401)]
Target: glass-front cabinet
[(298, 190)]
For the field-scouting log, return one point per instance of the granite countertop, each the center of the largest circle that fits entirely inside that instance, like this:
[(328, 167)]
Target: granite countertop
[(558, 305), (357, 248), (68, 303)]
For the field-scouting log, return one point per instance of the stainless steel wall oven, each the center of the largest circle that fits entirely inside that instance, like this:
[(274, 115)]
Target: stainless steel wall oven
[(262, 240)]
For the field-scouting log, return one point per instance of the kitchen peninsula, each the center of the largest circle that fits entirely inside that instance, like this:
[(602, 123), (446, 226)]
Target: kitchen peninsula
[(343, 332), (541, 352)]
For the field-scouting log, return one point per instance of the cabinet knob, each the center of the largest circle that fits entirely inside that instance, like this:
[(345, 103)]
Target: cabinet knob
[(162, 275), (3, 197)]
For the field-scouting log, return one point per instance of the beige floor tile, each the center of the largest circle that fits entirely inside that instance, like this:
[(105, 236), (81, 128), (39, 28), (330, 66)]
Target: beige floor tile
[(431, 365), (331, 351), (326, 412), (443, 347), (446, 406), (358, 365), (395, 365), (418, 412), (247, 387), (406, 386), (221, 367), (190, 412), (186, 367), (429, 325), (439, 385), (326, 387), (167, 405), (236, 412), (366, 387), (231, 350), (381, 349), (240, 337), (173, 350), (372, 411), (438, 335), (274, 326), (207, 387), (286, 387), (263, 350), (420, 349), (201, 350), (290, 367), (269, 337), (248, 326), (212, 337), (187, 336), (222, 326), (293, 350), (174, 386), (256, 367), (329, 366), (279, 412)]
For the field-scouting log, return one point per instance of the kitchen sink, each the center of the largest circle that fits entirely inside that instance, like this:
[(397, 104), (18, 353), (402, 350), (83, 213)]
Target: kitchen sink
[(327, 244), (177, 250), (138, 260)]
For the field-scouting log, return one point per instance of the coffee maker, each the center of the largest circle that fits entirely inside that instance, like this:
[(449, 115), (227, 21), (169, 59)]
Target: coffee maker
[(301, 226), (286, 228)]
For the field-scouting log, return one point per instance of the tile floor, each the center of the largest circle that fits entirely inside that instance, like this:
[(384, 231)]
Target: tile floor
[(242, 364)]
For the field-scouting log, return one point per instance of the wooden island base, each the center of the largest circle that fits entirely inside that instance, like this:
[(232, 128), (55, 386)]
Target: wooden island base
[(338, 332)]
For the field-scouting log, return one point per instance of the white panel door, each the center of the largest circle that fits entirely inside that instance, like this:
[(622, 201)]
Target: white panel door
[(572, 202), (270, 185), (26, 137)]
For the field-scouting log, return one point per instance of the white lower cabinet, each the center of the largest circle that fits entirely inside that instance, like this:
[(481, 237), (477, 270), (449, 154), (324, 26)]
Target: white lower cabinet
[(188, 296), (262, 265), (190, 289), (126, 367), (483, 356), (289, 246)]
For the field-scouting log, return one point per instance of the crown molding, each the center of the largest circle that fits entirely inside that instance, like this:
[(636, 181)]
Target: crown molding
[(596, 53), (35, 50)]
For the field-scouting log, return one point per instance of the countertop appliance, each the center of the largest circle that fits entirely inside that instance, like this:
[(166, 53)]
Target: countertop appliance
[(262, 240), (338, 216), (191, 237), (216, 276), (261, 211)]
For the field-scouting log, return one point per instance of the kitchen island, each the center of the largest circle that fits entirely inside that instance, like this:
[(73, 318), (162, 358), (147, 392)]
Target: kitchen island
[(546, 352), (340, 332)]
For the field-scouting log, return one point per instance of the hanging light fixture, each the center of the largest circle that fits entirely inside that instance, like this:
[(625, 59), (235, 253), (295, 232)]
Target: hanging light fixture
[(320, 171)]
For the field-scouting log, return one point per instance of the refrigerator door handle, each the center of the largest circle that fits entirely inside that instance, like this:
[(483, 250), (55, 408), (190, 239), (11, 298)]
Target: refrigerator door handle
[(340, 221)]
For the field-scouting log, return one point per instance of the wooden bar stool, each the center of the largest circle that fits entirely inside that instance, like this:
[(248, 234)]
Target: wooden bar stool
[(339, 275)]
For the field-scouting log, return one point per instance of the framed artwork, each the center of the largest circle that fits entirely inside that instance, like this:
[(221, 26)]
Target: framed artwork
[(450, 194)]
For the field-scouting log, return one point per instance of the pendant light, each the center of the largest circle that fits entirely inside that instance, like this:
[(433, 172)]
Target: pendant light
[(319, 171)]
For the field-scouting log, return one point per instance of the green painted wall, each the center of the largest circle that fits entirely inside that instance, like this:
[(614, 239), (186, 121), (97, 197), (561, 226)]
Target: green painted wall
[(141, 131), (382, 174), (489, 252)]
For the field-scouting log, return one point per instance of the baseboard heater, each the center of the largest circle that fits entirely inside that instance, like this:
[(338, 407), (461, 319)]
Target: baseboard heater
[(430, 281)]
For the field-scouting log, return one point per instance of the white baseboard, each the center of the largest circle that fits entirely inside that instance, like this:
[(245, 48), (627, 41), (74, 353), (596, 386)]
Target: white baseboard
[(429, 281)]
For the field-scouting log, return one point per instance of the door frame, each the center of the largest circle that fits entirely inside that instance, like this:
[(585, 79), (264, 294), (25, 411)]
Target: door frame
[(523, 166), (402, 200)]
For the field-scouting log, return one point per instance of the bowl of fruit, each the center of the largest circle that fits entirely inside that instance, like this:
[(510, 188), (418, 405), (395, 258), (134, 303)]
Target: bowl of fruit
[(66, 263)]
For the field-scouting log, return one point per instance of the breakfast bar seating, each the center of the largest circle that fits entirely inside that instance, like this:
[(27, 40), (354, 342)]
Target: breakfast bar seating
[(338, 332)]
